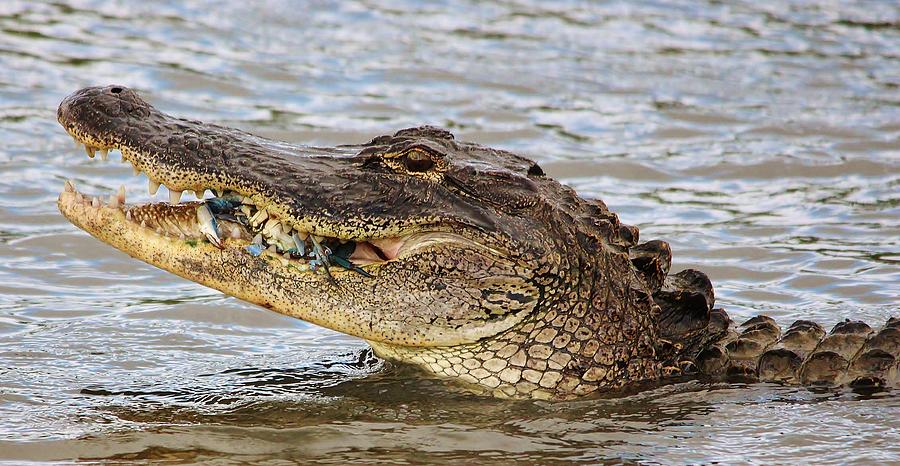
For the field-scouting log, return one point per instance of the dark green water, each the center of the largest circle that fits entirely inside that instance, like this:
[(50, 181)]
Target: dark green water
[(759, 139)]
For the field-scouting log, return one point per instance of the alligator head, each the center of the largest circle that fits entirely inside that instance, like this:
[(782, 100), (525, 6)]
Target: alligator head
[(464, 260)]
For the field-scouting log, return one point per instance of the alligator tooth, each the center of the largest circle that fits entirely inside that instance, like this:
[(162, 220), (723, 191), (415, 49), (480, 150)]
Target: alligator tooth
[(128, 215), (89, 150), (259, 217), (302, 235), (257, 239), (273, 249), (69, 187), (135, 171), (143, 224), (174, 196), (317, 238), (152, 187), (95, 202), (300, 244), (245, 209), (271, 225), (121, 194), (113, 201), (286, 228), (77, 142), (79, 197), (285, 241), (104, 154)]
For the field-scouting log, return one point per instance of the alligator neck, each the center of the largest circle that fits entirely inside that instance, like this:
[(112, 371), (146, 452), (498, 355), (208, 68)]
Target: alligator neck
[(592, 338)]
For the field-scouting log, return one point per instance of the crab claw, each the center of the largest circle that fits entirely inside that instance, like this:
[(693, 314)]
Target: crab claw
[(342, 262), (222, 206), (254, 249), (209, 226)]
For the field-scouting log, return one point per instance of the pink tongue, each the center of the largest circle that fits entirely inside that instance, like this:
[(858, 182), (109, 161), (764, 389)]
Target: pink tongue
[(390, 247), (365, 251)]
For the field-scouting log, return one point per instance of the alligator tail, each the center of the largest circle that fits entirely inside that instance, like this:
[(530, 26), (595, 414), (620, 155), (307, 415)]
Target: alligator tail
[(697, 338)]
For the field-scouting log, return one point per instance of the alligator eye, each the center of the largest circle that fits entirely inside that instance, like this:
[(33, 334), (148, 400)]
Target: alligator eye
[(418, 161)]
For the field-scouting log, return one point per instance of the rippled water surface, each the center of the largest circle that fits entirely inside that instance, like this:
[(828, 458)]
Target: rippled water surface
[(760, 140)]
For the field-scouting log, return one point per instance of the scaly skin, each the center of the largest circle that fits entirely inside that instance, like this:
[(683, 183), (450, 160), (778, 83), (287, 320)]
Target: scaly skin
[(489, 272)]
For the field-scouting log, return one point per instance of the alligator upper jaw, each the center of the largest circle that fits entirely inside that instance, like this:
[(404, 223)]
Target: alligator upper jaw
[(247, 219)]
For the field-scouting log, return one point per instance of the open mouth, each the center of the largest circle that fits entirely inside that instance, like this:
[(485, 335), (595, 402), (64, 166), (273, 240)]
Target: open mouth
[(229, 219)]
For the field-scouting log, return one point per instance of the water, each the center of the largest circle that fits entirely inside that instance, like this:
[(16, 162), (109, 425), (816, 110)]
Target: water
[(760, 140)]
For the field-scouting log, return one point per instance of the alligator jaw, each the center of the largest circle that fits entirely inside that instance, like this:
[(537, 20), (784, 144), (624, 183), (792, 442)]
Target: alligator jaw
[(256, 229)]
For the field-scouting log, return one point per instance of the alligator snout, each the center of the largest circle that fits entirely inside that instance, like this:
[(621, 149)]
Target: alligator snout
[(103, 108)]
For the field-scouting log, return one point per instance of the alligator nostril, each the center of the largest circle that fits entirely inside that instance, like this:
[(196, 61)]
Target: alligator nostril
[(116, 90)]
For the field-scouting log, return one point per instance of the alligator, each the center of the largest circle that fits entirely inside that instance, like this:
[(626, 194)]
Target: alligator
[(465, 261)]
